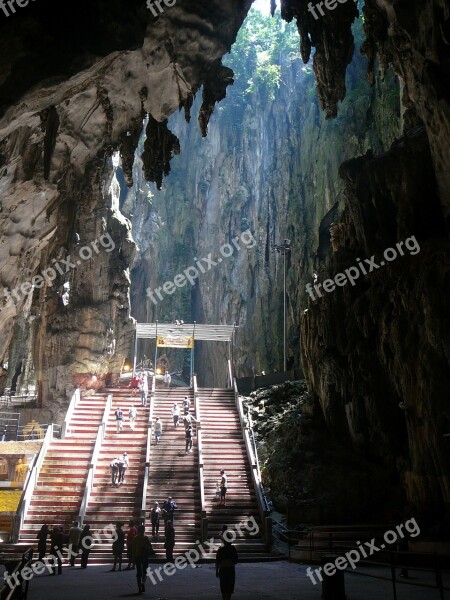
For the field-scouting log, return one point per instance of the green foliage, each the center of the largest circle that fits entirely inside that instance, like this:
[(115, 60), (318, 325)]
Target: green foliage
[(256, 57)]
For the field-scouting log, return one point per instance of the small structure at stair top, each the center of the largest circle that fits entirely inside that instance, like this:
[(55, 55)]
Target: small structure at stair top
[(183, 335)]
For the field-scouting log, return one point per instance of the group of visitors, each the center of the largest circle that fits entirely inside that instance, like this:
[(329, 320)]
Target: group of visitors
[(73, 539), (139, 548), (140, 382), (119, 466), (187, 421), (119, 414)]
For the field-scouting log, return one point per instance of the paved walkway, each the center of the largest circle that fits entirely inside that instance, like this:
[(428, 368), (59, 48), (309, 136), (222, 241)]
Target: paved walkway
[(255, 581)]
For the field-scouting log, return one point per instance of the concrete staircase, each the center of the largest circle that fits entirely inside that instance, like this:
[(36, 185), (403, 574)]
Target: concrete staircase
[(60, 486), (174, 473), (223, 448), (108, 504)]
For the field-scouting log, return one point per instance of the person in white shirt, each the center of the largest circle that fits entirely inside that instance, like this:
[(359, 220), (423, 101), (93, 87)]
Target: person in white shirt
[(132, 416), (144, 390), (123, 466), (176, 414), (167, 379), (158, 430)]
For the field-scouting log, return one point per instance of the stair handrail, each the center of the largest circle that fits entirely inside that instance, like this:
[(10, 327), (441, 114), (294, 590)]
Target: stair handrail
[(99, 439), (148, 452), (230, 374), (201, 471), (76, 396), (252, 454), (30, 484)]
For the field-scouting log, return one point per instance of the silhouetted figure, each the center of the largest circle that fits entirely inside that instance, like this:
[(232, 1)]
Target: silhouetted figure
[(226, 559), (223, 487), (85, 545), (132, 532), (141, 551), (56, 548), (74, 542), (169, 544), (118, 546), (42, 543)]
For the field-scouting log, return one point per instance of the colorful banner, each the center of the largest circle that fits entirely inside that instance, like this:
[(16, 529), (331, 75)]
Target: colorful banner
[(167, 341)]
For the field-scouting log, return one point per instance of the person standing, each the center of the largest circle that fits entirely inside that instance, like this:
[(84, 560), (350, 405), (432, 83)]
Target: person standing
[(85, 544), (114, 466), (123, 466), (155, 517), (42, 540), (118, 546), (169, 507), (158, 430), (169, 544), (132, 532), (176, 414), (186, 405), (223, 487), (141, 551), (119, 419), (134, 384), (188, 433), (56, 548), (167, 379), (226, 559), (132, 413), (74, 542), (144, 389)]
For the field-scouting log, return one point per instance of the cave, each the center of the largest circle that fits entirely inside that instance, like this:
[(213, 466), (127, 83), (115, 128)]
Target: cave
[(310, 140)]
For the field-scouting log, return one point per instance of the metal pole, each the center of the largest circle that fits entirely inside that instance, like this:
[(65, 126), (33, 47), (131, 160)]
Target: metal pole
[(156, 348), (192, 353), (284, 311), (135, 352)]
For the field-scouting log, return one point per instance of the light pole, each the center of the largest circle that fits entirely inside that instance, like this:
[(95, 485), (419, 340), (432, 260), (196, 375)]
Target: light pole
[(283, 249)]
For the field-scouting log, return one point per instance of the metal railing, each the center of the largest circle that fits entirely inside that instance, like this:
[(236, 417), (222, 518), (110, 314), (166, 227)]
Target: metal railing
[(230, 374), (30, 485), (16, 577), (14, 400), (76, 396), (201, 473), (147, 453), (252, 454), (94, 460)]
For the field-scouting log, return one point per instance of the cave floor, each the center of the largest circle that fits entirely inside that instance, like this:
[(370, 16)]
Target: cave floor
[(254, 581)]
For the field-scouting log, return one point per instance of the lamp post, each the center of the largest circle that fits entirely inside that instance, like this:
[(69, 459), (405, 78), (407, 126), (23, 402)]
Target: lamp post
[(283, 249)]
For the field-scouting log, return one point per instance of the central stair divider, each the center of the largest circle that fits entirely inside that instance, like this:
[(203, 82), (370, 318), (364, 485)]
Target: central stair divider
[(147, 453), (76, 397), (94, 459), (263, 507), (201, 477)]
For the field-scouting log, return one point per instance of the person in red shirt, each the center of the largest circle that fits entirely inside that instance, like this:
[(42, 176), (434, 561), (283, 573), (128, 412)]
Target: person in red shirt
[(131, 533)]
